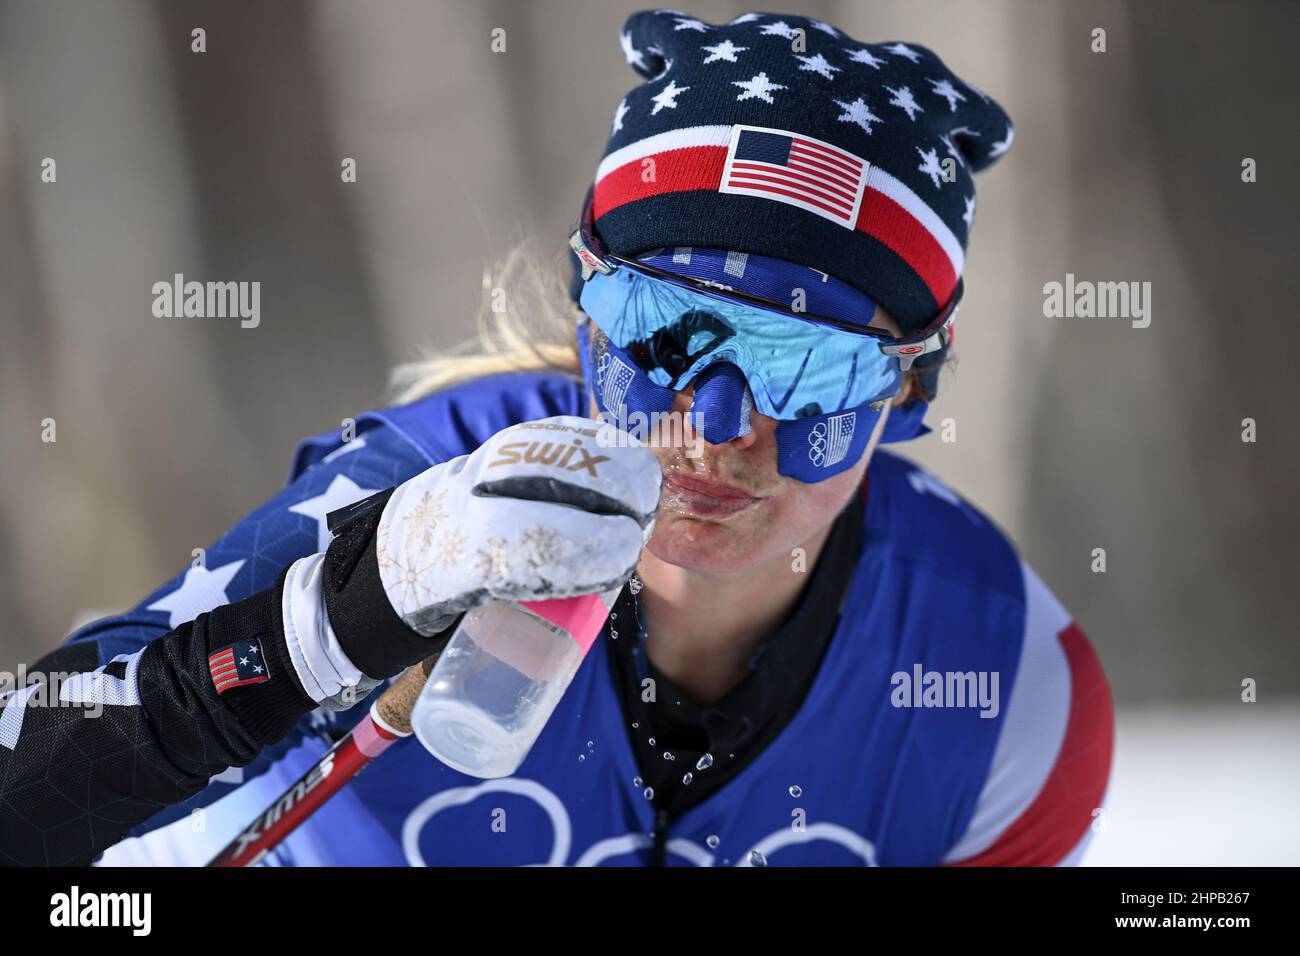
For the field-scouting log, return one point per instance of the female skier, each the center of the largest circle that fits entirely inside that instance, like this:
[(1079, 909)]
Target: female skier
[(819, 653)]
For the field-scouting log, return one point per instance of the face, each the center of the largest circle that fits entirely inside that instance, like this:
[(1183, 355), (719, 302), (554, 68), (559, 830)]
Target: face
[(727, 509)]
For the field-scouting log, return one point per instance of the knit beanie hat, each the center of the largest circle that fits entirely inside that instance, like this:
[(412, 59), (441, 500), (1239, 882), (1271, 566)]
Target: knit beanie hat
[(783, 137)]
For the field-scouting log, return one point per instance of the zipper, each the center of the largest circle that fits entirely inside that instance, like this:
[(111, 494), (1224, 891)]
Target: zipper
[(659, 853)]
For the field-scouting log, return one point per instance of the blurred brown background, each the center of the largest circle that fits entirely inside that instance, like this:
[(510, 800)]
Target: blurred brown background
[(1073, 434)]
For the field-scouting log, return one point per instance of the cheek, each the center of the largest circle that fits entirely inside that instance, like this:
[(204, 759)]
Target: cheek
[(803, 509)]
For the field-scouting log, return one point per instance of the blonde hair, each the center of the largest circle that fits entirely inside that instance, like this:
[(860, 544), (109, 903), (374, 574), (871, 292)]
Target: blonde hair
[(525, 322)]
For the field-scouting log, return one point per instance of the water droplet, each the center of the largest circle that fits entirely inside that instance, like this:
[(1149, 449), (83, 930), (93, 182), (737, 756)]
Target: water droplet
[(652, 741), (705, 762), (668, 756), (636, 782), (713, 841), (757, 859), (649, 793), (796, 791), (687, 779)]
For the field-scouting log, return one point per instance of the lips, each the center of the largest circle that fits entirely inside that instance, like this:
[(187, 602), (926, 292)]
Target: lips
[(704, 499), (711, 488)]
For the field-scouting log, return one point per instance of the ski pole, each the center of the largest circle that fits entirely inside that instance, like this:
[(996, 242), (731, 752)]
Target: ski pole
[(388, 721)]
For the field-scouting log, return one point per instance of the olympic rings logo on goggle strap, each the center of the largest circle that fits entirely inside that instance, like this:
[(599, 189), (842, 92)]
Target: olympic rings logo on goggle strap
[(613, 389), (611, 847), (830, 439)]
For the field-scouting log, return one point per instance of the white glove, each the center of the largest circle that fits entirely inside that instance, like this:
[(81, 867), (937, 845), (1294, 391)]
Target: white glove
[(547, 509)]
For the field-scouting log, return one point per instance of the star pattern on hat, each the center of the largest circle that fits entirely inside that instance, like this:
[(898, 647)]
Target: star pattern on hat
[(945, 89), (858, 113), (1001, 146), (668, 64), (904, 100), (955, 153), (726, 50), (757, 87), (667, 97), (930, 165), (778, 29), (784, 93), (818, 64), (619, 114), (762, 86), (902, 49), (864, 55), (634, 57)]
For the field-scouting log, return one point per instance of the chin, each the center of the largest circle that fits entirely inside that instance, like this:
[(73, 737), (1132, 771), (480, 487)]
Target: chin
[(717, 547)]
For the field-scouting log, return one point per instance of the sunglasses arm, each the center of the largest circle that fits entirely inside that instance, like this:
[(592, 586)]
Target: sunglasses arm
[(584, 242), (932, 338)]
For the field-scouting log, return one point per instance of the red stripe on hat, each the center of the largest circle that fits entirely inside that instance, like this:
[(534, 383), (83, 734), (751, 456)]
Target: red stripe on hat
[(701, 167), (883, 219), (675, 170), (1062, 812)]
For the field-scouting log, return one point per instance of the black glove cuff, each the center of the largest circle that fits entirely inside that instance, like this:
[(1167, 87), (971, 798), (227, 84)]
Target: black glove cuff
[(268, 709), (370, 632)]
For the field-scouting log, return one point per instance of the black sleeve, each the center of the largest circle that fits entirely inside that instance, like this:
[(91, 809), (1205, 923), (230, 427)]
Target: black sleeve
[(83, 762), (85, 757)]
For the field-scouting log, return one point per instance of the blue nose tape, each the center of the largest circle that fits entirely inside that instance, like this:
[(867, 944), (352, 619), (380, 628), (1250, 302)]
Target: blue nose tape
[(808, 449), (723, 400)]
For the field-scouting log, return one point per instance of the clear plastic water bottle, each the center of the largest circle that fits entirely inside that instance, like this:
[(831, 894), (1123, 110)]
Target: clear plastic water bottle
[(500, 677)]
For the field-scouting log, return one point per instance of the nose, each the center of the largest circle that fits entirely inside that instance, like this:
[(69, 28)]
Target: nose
[(720, 396)]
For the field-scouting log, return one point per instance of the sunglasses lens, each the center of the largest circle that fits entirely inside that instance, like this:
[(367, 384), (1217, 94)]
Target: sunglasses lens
[(678, 346), (794, 367)]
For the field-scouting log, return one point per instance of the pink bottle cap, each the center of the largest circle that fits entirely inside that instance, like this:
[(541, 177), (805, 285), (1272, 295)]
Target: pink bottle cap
[(582, 616)]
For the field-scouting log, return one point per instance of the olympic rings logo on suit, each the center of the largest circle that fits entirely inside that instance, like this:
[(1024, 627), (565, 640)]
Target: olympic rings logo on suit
[(611, 847)]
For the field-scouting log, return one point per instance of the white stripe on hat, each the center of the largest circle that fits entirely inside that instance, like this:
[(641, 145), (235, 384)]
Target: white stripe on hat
[(662, 143), (887, 185)]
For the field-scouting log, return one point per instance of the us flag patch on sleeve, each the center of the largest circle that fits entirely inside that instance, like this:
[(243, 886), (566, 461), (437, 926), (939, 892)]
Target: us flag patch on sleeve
[(239, 664)]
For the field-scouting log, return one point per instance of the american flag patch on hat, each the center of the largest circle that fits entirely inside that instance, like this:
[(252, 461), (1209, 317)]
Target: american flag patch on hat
[(239, 664), (795, 169)]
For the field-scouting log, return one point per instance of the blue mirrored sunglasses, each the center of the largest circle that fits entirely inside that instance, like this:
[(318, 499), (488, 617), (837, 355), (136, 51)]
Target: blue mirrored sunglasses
[(796, 364)]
